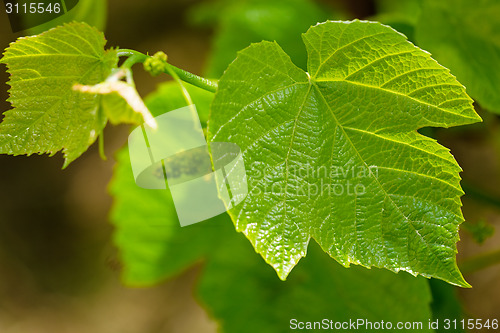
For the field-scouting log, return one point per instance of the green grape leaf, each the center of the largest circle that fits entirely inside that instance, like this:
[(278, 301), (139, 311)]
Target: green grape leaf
[(48, 115), (154, 247), (244, 22), (464, 36), (334, 154)]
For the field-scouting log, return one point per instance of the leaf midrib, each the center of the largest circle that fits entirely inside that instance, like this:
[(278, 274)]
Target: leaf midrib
[(402, 95), (51, 55), (407, 219)]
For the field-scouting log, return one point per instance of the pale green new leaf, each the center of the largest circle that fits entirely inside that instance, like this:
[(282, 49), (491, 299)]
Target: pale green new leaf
[(119, 111), (48, 115), (334, 153), (120, 101), (464, 35)]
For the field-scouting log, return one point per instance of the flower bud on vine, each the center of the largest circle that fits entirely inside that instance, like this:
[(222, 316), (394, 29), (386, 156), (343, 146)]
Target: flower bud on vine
[(156, 64)]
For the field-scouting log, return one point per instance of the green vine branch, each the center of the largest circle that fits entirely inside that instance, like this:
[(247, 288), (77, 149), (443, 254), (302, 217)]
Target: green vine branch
[(158, 64)]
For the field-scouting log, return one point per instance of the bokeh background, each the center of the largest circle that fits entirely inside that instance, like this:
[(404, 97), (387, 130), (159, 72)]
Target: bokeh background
[(59, 271)]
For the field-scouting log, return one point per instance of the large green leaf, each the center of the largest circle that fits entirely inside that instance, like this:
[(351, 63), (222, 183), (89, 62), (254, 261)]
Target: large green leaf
[(236, 286), (464, 35), (309, 140), (48, 114)]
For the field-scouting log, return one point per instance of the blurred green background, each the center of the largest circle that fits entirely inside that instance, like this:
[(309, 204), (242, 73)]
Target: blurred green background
[(59, 271)]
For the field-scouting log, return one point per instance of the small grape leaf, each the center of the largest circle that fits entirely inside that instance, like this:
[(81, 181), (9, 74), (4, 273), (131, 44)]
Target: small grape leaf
[(334, 153), (464, 36), (48, 115), (119, 111)]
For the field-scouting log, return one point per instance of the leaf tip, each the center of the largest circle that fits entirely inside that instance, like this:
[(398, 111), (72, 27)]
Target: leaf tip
[(461, 282)]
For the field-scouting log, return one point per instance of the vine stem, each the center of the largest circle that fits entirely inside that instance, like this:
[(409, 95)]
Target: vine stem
[(135, 57)]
